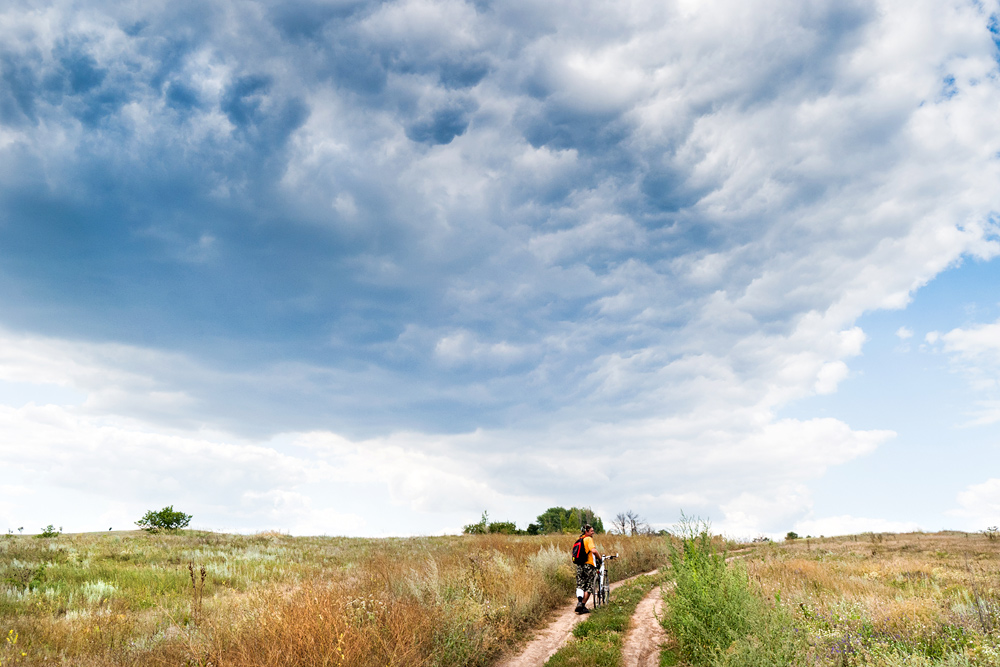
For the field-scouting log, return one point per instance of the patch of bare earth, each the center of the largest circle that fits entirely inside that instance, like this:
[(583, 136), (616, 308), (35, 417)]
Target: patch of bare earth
[(645, 636), (554, 635)]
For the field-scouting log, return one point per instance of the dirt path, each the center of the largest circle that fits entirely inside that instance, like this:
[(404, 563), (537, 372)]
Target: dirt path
[(642, 644), (646, 635), (551, 639)]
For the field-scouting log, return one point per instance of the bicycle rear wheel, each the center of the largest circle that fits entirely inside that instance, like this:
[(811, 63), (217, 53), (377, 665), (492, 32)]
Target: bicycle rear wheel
[(600, 589)]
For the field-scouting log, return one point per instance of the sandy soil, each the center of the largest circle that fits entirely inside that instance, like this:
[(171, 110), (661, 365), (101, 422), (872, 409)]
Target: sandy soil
[(552, 637), (646, 635)]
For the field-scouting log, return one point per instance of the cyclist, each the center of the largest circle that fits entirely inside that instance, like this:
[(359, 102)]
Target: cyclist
[(586, 572)]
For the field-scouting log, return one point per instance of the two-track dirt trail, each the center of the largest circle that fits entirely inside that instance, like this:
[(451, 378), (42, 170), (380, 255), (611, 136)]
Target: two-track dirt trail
[(642, 643), (551, 639)]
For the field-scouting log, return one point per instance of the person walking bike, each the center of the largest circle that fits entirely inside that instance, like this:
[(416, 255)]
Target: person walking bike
[(584, 555)]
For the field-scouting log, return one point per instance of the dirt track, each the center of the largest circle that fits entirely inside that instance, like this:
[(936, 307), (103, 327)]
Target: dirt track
[(642, 644), (558, 631), (646, 635)]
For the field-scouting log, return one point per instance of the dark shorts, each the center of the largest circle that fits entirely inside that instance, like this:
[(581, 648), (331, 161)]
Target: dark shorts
[(585, 575)]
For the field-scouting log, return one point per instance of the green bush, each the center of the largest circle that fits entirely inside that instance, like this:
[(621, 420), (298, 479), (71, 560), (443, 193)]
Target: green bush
[(504, 527), (716, 616), (50, 531), (166, 519), (569, 521)]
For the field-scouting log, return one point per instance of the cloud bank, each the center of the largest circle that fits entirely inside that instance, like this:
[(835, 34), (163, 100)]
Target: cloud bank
[(474, 254)]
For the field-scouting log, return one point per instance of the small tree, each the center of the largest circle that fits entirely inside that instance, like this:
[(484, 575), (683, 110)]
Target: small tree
[(166, 519), (503, 527), (486, 526), (791, 535), (480, 528), (50, 531), (568, 521), (630, 523)]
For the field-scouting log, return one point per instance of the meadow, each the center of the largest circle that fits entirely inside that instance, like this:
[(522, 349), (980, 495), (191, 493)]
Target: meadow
[(198, 598), (883, 600)]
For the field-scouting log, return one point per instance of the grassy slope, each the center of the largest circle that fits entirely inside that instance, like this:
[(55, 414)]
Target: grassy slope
[(881, 600), (273, 599)]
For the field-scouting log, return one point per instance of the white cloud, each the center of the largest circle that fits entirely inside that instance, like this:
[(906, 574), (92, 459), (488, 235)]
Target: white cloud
[(517, 247), (904, 333), (979, 343), (233, 481), (463, 347), (974, 352), (979, 505), (852, 525)]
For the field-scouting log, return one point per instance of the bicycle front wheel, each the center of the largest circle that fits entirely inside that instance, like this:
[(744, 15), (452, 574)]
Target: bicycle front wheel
[(600, 589)]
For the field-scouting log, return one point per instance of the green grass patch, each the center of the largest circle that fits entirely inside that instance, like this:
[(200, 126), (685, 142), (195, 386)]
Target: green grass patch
[(718, 618), (599, 638)]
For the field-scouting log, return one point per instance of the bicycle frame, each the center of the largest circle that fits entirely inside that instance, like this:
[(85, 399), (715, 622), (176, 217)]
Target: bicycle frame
[(602, 587)]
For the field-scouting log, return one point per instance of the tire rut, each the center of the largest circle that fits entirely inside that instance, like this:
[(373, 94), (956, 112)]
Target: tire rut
[(646, 636), (554, 635)]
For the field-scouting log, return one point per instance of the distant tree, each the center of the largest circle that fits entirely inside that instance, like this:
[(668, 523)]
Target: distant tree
[(485, 526), (532, 529), (503, 527), (480, 528), (166, 519), (562, 520), (551, 520), (791, 535), (630, 523), (50, 531)]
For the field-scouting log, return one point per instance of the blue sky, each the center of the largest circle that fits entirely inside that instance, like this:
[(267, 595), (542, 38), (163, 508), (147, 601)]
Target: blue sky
[(371, 268)]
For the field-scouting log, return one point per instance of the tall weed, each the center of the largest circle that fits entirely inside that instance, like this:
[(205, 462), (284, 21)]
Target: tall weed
[(717, 617)]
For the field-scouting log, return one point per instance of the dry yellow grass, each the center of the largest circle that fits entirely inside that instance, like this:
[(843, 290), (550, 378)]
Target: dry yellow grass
[(880, 598), (278, 600)]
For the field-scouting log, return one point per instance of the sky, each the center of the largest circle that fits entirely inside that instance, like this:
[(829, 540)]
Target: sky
[(373, 268)]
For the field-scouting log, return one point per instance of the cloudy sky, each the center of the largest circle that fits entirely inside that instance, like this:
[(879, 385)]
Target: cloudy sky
[(371, 268)]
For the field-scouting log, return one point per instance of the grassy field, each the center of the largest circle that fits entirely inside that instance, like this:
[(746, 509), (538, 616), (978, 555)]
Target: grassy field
[(269, 599), (876, 599)]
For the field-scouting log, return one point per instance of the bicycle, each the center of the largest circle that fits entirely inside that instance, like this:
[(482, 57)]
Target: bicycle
[(602, 587)]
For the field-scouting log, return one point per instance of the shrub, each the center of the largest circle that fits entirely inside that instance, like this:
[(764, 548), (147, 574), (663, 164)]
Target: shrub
[(568, 521), (166, 519), (485, 526), (503, 527), (480, 528), (50, 531), (791, 535), (716, 616)]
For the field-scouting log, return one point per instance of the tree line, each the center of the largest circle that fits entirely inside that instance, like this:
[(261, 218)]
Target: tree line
[(553, 520)]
